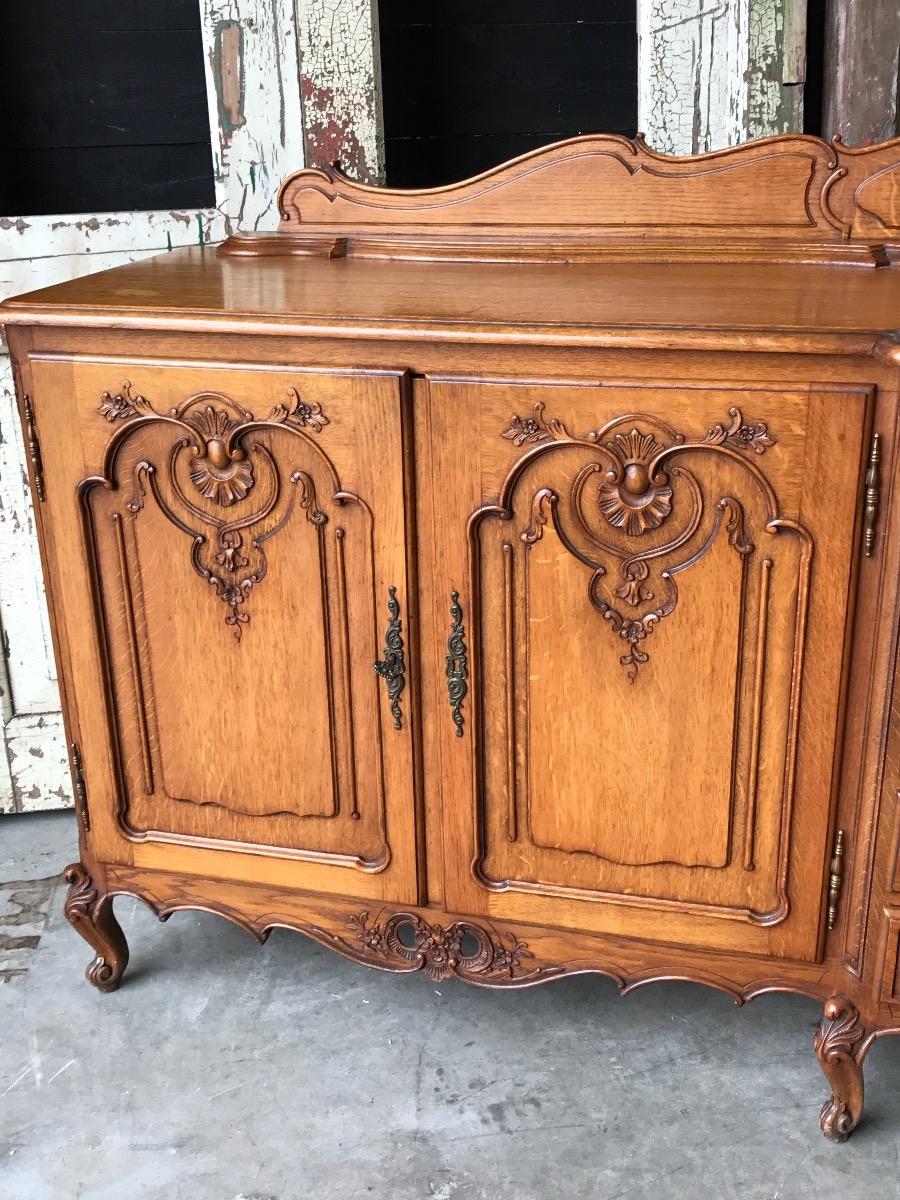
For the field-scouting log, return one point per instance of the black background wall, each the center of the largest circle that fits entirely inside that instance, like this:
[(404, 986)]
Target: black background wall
[(470, 84), (104, 107)]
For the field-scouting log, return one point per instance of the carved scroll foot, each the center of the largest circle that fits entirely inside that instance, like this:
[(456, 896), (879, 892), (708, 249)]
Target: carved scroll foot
[(91, 914), (837, 1045)]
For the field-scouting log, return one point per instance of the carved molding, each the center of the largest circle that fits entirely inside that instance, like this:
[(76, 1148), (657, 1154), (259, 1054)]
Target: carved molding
[(634, 581), (462, 948), (229, 549), (166, 894)]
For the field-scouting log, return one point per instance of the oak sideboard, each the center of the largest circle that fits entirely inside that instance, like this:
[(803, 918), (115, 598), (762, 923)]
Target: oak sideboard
[(498, 581)]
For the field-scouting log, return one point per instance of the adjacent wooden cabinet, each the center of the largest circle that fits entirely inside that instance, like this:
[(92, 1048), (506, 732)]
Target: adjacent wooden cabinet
[(499, 581)]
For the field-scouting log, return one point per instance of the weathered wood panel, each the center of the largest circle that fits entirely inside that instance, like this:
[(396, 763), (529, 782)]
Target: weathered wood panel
[(33, 763), (340, 78), (861, 59), (713, 73)]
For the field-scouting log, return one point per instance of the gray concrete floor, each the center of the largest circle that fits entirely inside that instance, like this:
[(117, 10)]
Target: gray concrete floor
[(226, 1071)]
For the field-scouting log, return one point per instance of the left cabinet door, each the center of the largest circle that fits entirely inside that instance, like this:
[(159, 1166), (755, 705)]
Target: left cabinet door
[(227, 553)]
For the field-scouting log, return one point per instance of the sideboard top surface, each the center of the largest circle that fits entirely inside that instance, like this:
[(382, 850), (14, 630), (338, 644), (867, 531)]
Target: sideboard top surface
[(194, 289), (597, 240)]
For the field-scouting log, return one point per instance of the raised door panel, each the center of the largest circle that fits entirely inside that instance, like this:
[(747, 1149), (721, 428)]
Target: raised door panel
[(244, 534), (654, 584)]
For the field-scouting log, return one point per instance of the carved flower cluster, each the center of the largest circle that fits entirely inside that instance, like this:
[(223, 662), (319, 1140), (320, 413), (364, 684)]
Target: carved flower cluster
[(525, 429), (299, 414), (439, 950), (122, 405)]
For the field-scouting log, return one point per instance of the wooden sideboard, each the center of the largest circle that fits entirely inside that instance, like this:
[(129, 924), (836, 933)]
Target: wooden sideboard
[(593, 459)]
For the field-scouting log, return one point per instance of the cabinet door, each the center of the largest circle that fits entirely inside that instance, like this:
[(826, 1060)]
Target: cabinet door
[(228, 555), (654, 585)]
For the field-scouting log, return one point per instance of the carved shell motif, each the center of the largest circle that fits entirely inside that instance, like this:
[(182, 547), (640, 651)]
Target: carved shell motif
[(220, 474), (635, 502)]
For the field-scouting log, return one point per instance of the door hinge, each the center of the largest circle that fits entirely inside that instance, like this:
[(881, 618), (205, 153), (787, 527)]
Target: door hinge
[(872, 501), (81, 807), (835, 878), (34, 448)]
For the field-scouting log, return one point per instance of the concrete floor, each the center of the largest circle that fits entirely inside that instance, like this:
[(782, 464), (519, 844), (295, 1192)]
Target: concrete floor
[(226, 1071)]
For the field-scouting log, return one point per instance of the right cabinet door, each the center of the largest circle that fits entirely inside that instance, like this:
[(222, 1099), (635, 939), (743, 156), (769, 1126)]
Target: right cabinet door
[(649, 642)]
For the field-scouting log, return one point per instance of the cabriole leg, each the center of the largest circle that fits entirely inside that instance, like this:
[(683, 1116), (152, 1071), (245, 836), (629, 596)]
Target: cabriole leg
[(92, 915), (837, 1045)]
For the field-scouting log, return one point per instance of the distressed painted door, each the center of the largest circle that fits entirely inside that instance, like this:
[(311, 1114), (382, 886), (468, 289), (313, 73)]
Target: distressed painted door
[(230, 545), (33, 758), (654, 583), (250, 55)]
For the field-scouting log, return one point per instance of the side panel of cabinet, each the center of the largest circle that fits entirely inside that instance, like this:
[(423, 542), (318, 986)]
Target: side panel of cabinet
[(653, 591), (228, 555)]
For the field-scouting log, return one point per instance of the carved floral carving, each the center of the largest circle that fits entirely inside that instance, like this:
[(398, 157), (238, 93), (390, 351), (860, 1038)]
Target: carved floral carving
[(299, 414), (123, 405), (526, 430), (223, 466), (631, 479), (462, 948), (741, 434)]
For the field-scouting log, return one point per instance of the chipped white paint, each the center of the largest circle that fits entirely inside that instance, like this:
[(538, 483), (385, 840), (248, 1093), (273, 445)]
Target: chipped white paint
[(255, 110), (713, 73), (33, 764), (340, 75), (252, 74)]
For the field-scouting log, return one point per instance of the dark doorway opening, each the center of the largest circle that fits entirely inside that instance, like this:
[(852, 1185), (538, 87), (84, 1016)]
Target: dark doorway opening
[(815, 67), (467, 86), (104, 108)]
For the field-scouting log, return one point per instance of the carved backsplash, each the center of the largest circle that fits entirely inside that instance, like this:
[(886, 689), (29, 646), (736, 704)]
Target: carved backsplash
[(782, 198)]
